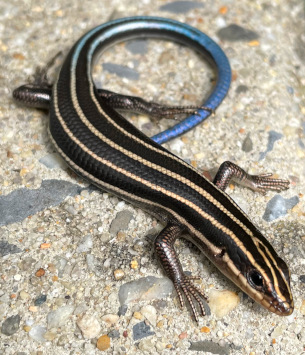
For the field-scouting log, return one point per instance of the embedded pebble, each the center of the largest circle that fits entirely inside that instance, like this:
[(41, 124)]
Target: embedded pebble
[(121, 70), (40, 300), (209, 347), (234, 33), (118, 274), (146, 288), (17, 277), (53, 161), (150, 313), (120, 222), (59, 317), (103, 342), (40, 272), (24, 202), (141, 330), (147, 345), (24, 295), (222, 302), (7, 248), (278, 331), (49, 336), (180, 7), (137, 315), (10, 325), (247, 145), (278, 207), (114, 334), (122, 310), (137, 46), (89, 326), (85, 245), (37, 333), (110, 319)]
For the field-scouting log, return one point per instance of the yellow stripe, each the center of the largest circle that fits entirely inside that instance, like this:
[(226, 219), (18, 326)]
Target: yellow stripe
[(157, 188), (132, 155)]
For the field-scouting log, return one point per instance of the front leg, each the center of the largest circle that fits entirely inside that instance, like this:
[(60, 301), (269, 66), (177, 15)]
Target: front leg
[(230, 171), (164, 248)]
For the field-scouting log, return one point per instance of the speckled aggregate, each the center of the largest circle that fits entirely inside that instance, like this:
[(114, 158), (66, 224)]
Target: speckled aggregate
[(267, 94)]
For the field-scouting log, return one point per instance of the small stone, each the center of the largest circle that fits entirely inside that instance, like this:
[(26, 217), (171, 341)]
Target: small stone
[(160, 324), (103, 342), (114, 334), (160, 346), (205, 330), (85, 245), (17, 277), (235, 32), (150, 313), (180, 7), (210, 347), (45, 245), (37, 333), (182, 335), (53, 161), (7, 248), (59, 317), (40, 272), (141, 330), (278, 207), (121, 237), (241, 89), (118, 274), (40, 300), (223, 302), (89, 326), (122, 310), (146, 288), (24, 295), (137, 46), (134, 264), (120, 222), (52, 268), (278, 331), (23, 202), (49, 336), (146, 345), (33, 309), (110, 319), (10, 325), (247, 145), (137, 315), (27, 328), (121, 70)]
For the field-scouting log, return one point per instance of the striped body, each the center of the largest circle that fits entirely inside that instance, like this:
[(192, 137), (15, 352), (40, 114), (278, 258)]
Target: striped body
[(103, 147)]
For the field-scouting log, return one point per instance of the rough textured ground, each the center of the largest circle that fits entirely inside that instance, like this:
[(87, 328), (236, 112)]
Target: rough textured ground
[(72, 257)]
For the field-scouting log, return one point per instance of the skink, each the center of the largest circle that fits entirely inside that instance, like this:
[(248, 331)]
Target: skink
[(104, 148)]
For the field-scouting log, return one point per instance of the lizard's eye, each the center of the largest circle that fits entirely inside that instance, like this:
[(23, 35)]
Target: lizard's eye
[(255, 279)]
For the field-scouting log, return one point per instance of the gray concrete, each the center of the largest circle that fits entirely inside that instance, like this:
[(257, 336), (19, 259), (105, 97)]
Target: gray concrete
[(41, 256)]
